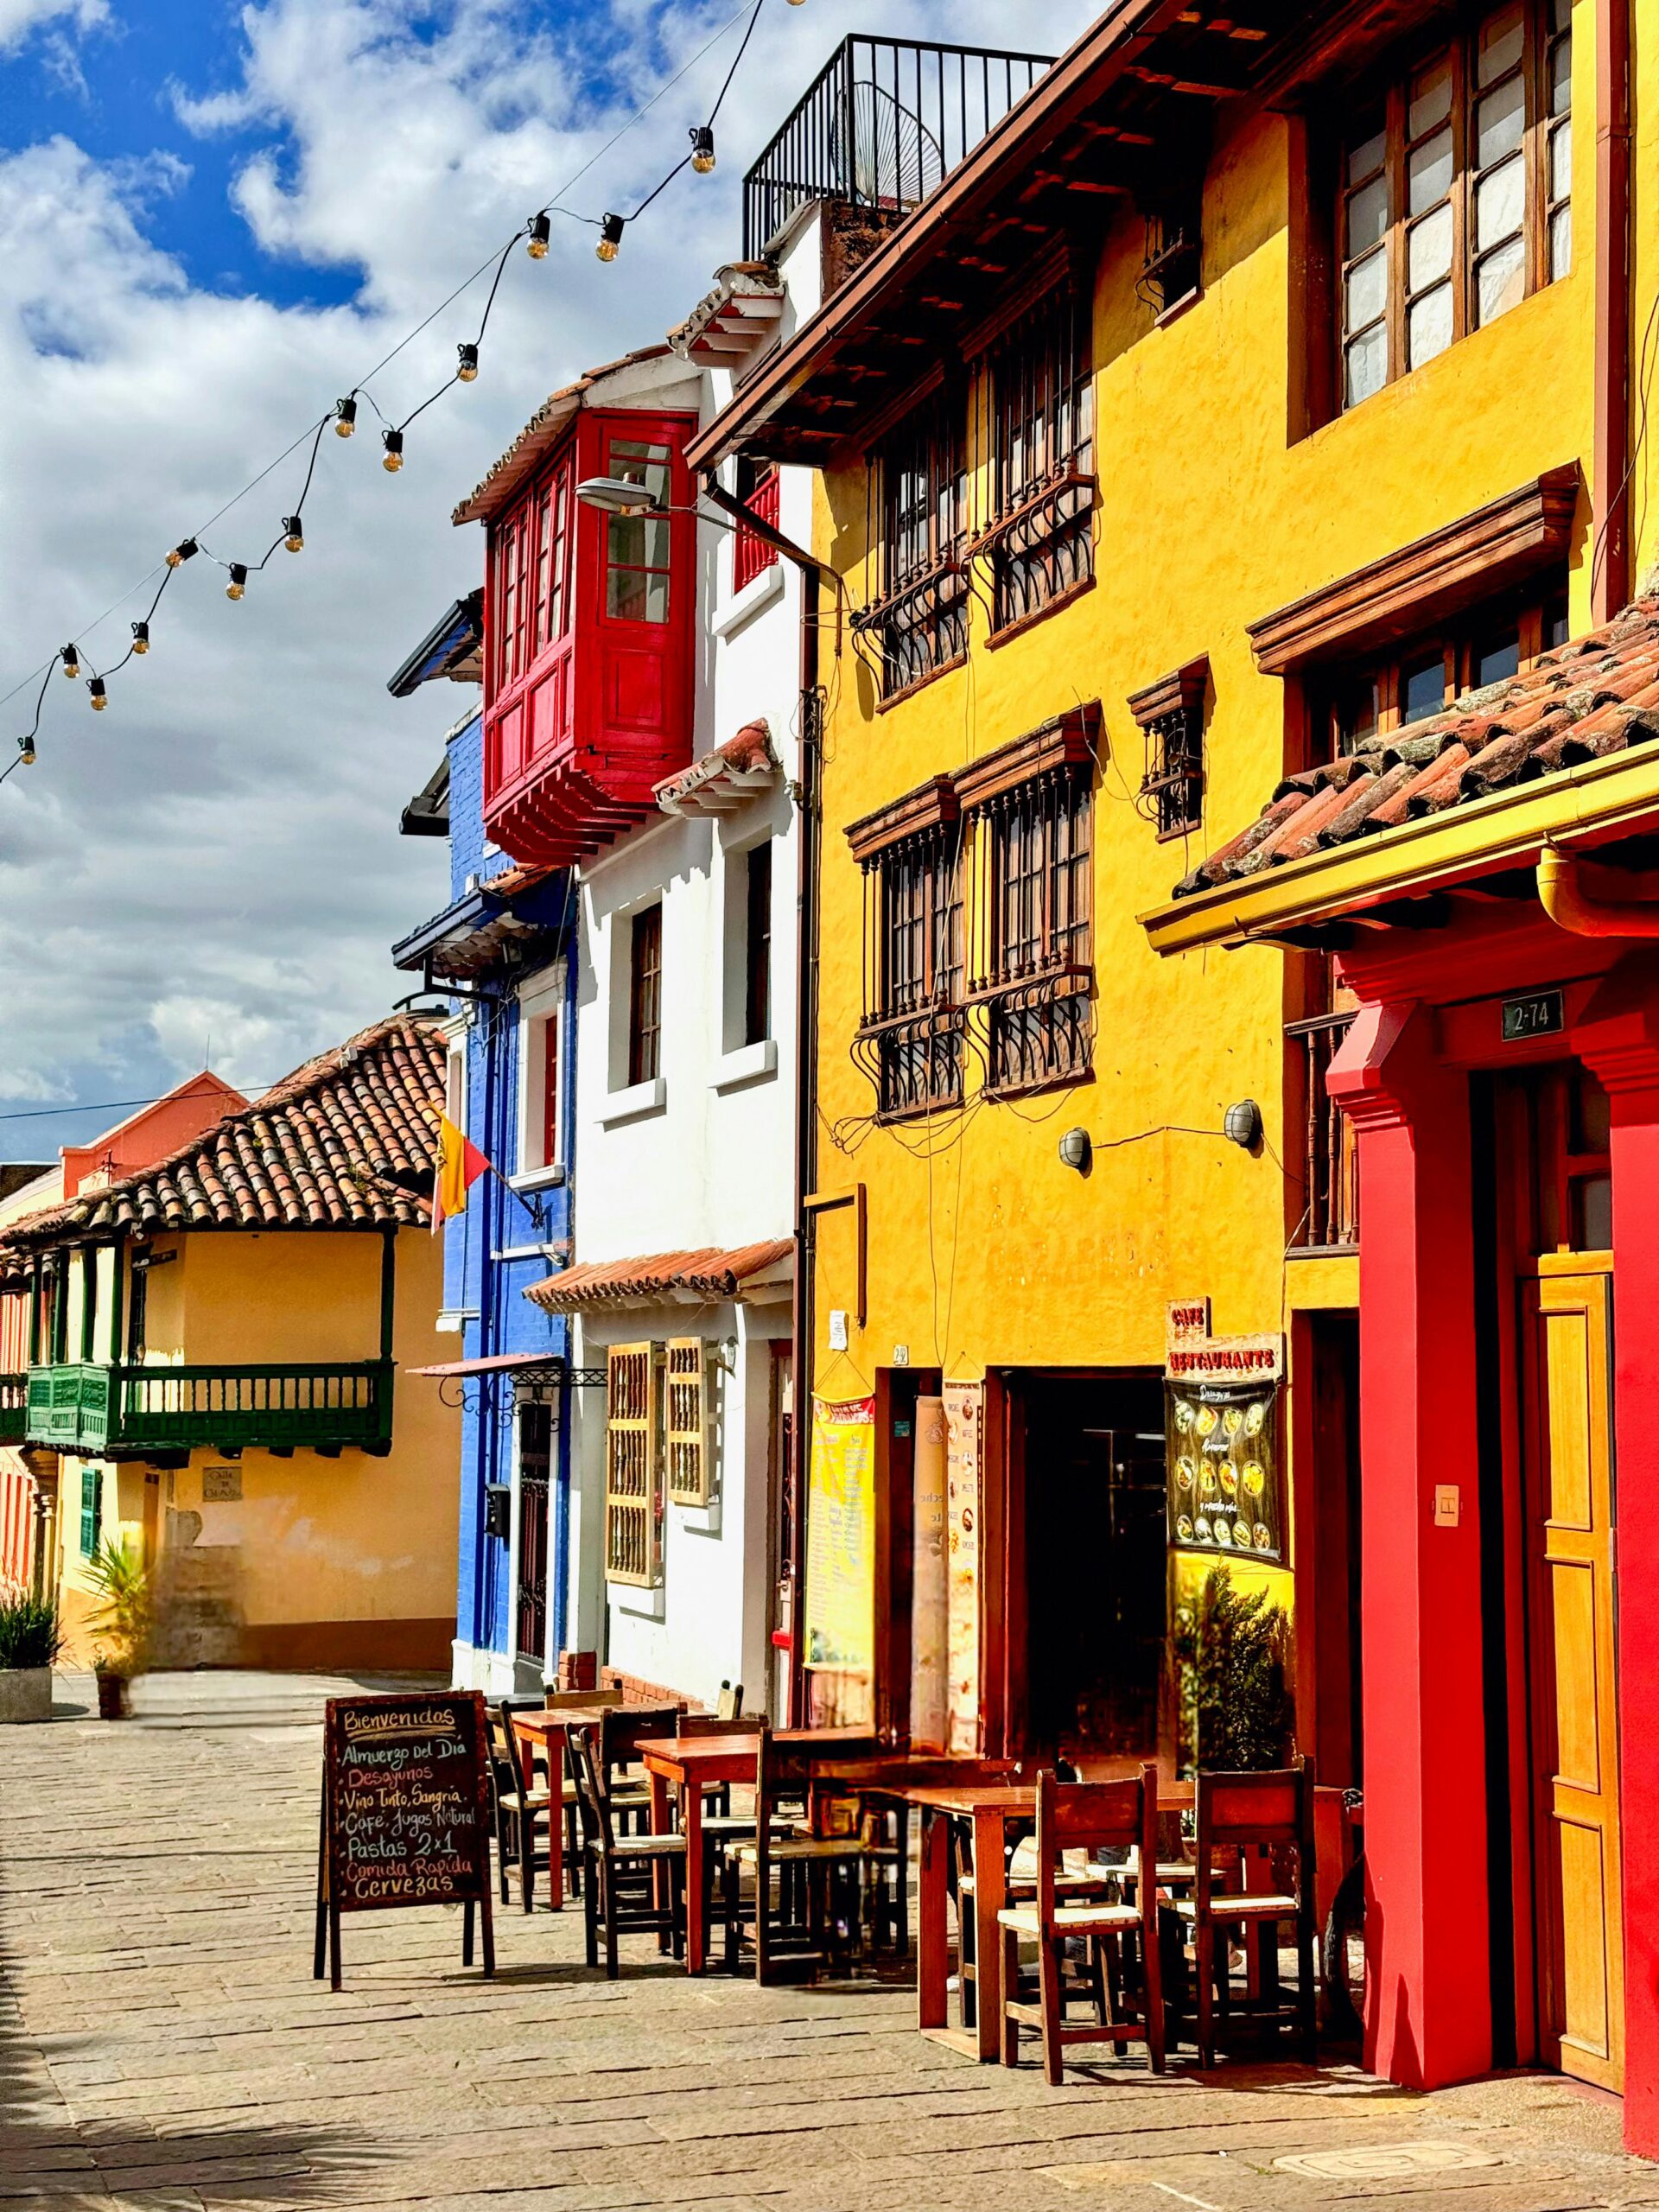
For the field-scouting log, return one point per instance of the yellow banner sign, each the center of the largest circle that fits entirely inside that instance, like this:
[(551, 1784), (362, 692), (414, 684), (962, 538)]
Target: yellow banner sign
[(840, 1535)]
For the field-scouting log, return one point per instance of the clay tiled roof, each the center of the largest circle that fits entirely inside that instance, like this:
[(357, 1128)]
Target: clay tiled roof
[(744, 763), (345, 1141), (709, 1273), (1596, 695), (539, 435)]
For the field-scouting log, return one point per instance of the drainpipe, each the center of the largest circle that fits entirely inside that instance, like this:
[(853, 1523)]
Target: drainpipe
[(1571, 906), (812, 576), (1609, 574)]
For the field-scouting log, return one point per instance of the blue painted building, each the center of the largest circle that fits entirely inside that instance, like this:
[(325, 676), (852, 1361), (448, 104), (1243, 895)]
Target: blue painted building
[(501, 956)]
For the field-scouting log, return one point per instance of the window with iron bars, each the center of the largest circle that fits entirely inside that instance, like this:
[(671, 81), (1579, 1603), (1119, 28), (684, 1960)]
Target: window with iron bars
[(1040, 543), (910, 1042), (1033, 847), (1170, 716), (919, 478)]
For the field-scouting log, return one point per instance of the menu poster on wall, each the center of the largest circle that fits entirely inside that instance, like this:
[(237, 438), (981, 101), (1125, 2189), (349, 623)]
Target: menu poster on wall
[(964, 1422), (1223, 1445), (405, 1812), (840, 1597)]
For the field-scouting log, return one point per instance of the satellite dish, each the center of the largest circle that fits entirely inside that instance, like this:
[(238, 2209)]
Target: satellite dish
[(884, 155)]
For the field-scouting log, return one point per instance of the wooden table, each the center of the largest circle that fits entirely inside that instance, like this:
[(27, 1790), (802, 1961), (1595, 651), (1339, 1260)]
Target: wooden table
[(542, 1731), (991, 1808), (691, 1764)]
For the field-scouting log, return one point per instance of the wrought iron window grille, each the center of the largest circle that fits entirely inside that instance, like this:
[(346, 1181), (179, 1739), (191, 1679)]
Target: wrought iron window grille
[(1171, 717), (1039, 541)]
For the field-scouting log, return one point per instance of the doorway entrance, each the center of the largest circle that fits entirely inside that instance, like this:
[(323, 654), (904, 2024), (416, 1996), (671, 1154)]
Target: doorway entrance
[(1095, 1560), (1554, 1144), (535, 1478)]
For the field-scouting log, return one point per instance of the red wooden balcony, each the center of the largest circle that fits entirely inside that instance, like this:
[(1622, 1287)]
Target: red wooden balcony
[(589, 626), (751, 554)]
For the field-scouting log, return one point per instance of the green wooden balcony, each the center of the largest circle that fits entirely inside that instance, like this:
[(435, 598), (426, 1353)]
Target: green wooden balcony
[(100, 1411), (13, 1397)]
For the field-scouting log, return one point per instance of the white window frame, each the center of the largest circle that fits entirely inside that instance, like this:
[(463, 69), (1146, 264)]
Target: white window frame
[(541, 1010)]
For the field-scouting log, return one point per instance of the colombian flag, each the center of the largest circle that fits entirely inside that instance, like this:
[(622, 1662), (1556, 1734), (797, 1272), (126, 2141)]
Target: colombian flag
[(460, 1166)]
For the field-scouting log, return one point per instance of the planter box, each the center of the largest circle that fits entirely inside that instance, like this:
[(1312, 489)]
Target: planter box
[(25, 1694)]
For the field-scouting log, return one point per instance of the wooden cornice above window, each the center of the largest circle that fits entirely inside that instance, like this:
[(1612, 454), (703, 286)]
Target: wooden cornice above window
[(1177, 693), (1069, 739), (1426, 581), (929, 806)]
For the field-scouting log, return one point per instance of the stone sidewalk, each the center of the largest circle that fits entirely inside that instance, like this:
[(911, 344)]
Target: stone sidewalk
[(163, 2044)]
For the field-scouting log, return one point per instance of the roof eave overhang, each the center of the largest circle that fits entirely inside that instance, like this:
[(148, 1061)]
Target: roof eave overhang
[(1074, 83), (1586, 805)]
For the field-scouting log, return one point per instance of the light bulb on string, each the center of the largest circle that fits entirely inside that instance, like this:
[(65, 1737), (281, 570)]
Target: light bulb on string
[(141, 636), (345, 417), (26, 751), (610, 236), (71, 662), (99, 696), (702, 148), (540, 232), (238, 582), (394, 444), (181, 552), (294, 533), (467, 372)]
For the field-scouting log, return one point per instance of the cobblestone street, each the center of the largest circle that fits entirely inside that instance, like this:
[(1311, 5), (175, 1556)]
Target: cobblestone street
[(162, 2043)]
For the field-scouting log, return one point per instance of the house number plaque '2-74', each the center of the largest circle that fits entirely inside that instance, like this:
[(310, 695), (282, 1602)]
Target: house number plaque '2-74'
[(1539, 1013)]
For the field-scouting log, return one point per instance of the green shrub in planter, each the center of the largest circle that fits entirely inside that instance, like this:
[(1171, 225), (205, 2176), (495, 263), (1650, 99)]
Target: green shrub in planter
[(1233, 1653), (29, 1634)]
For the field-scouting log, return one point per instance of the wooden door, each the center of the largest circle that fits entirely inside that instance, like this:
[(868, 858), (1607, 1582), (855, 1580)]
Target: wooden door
[(535, 1477), (1567, 1327)]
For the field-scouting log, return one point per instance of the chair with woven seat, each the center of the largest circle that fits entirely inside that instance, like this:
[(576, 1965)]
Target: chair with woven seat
[(1121, 1939), (789, 1919), (1263, 1822), (621, 1894), (516, 1807)]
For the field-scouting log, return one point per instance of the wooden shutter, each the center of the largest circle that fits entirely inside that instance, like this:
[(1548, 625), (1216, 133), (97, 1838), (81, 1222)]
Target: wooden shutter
[(632, 1467), (687, 1423), (92, 1499)]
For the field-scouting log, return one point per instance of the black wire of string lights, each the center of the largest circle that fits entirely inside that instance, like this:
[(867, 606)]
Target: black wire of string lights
[(535, 232)]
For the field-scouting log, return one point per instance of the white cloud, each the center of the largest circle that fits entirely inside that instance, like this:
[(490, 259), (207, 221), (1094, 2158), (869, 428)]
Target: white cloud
[(219, 851), (19, 17)]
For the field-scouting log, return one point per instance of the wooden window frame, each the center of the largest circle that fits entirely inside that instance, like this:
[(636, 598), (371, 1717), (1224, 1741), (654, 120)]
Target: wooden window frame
[(633, 1466), (917, 614), (1537, 618), (758, 487), (685, 1420), (1034, 870), (652, 458), (1543, 211), (529, 577), (1039, 541), (646, 994), (1171, 717), (912, 1039), (91, 1510)]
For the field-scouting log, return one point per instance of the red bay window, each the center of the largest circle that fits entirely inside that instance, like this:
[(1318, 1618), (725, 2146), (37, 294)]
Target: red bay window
[(589, 623)]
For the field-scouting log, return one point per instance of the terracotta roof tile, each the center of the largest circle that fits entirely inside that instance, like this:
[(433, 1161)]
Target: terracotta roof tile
[(706, 1273), (1593, 697), (349, 1138)]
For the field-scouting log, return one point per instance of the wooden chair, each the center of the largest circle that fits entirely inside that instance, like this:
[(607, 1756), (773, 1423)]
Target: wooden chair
[(1265, 1821), (621, 1729), (621, 1894), (516, 1806), (1123, 1939), (729, 1703), (796, 1877)]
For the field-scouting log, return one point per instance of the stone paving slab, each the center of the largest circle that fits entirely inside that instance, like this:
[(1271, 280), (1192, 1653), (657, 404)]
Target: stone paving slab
[(163, 2048)]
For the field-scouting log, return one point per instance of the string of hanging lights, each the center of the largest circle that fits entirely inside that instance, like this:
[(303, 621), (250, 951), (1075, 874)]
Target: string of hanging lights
[(536, 234)]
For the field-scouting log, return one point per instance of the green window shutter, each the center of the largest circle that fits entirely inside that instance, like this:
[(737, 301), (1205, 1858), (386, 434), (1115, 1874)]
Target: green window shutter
[(92, 1498)]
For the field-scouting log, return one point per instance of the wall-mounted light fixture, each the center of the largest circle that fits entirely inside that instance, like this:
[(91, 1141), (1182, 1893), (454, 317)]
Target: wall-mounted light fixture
[(1076, 1151), (1244, 1124)]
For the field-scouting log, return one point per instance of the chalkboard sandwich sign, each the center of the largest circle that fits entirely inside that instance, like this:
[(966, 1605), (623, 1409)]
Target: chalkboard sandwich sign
[(406, 1813)]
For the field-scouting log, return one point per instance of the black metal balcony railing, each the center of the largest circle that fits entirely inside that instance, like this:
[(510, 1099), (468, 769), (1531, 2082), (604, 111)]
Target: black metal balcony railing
[(14, 1398), (884, 122), (1330, 1221), (94, 1410)]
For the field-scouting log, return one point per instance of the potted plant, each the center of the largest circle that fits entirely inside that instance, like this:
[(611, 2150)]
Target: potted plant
[(120, 1625), (29, 1641)]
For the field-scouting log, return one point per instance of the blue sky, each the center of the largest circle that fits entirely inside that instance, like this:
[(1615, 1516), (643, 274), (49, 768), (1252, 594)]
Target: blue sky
[(212, 219)]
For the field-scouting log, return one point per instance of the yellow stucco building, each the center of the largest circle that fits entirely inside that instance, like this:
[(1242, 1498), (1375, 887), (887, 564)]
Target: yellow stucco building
[(1238, 397), (220, 1350)]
